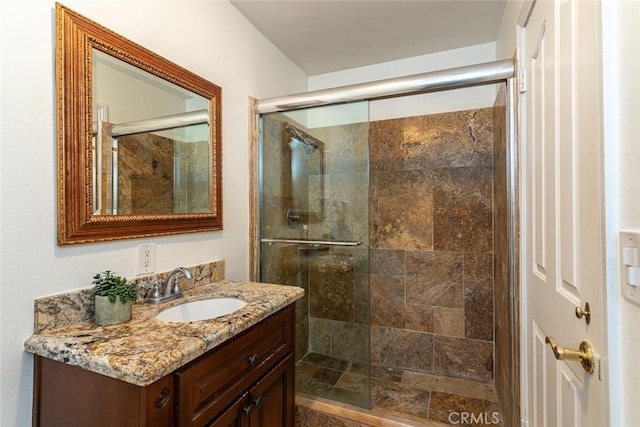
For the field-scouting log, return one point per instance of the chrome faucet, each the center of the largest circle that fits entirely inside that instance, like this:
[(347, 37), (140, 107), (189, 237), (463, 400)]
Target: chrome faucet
[(171, 286)]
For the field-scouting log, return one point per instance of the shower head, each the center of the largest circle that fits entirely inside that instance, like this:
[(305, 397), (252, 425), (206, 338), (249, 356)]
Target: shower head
[(299, 138), (308, 147)]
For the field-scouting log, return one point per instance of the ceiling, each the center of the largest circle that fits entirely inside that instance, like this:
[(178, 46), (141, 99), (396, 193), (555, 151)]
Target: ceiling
[(322, 36)]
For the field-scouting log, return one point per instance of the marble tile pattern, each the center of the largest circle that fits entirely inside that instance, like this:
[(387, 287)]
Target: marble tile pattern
[(400, 399), (192, 192), (431, 261), (332, 316), (145, 174), (144, 350), (431, 278), (430, 229), (58, 311), (418, 397), (446, 407)]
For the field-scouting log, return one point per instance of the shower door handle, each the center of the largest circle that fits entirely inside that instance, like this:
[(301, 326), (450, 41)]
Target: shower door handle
[(313, 242)]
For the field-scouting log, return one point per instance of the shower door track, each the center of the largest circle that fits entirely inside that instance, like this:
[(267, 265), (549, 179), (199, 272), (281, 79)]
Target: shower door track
[(452, 78), (313, 242)]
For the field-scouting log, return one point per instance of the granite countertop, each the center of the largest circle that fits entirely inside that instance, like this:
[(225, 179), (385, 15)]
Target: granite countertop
[(144, 349)]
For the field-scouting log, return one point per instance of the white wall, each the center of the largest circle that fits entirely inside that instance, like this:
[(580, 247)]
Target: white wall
[(209, 38), (622, 157), (407, 106), (506, 42)]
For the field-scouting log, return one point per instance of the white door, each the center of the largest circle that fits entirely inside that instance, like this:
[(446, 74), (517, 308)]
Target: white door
[(562, 216)]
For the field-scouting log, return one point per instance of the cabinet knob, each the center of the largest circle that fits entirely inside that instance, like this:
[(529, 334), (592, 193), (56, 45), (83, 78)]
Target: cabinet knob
[(258, 402), (248, 410), (253, 360), (162, 398)]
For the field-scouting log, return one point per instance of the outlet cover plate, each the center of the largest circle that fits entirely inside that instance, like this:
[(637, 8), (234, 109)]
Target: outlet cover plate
[(146, 258)]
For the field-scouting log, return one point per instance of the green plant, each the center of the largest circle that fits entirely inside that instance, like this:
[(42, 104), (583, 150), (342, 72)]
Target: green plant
[(109, 285)]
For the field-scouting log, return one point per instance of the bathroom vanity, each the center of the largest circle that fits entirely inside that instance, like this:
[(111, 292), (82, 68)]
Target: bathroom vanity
[(236, 370)]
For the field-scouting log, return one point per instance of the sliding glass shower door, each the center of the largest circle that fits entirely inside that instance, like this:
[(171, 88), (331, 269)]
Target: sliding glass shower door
[(314, 234)]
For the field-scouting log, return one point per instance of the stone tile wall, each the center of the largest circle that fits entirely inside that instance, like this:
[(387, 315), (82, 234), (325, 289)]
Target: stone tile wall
[(145, 174), (332, 317), (146, 181), (431, 233), (338, 276), (425, 294)]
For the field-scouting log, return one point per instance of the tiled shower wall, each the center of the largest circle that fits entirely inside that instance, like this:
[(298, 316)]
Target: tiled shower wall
[(146, 181), (431, 245), (430, 226), (332, 317), (145, 174)]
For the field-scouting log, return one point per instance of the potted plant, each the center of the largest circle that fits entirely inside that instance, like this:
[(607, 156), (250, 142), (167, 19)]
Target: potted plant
[(113, 298)]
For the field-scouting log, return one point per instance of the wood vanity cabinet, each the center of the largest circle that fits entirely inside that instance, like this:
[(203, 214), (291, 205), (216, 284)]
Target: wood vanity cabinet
[(247, 381)]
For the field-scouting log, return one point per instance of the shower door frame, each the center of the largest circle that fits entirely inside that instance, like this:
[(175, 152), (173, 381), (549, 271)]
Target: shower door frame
[(503, 71)]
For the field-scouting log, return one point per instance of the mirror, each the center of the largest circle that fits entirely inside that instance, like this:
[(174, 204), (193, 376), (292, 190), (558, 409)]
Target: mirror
[(305, 156), (138, 139)]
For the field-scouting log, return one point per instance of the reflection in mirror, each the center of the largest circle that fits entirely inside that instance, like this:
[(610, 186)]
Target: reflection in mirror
[(306, 157), (138, 139), (151, 152)]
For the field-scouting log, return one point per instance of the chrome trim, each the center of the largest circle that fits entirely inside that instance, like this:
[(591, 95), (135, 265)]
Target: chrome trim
[(313, 242), (160, 123), (471, 75), (513, 242)]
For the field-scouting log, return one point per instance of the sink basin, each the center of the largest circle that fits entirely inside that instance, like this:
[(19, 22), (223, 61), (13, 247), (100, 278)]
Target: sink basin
[(201, 310)]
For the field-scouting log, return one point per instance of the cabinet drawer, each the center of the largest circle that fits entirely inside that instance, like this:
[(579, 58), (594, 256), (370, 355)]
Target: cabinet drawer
[(212, 382)]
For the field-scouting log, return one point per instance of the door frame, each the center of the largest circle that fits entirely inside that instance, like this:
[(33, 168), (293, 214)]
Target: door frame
[(523, 18)]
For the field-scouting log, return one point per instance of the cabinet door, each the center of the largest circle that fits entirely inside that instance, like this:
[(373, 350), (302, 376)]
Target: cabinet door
[(273, 397), (211, 383), (237, 415), (66, 395)]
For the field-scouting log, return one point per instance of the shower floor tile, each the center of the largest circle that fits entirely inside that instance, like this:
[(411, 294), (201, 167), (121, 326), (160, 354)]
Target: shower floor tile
[(444, 408), (397, 399), (334, 378), (352, 381), (418, 398), (324, 361)]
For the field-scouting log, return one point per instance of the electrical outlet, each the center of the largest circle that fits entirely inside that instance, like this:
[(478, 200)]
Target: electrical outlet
[(146, 258)]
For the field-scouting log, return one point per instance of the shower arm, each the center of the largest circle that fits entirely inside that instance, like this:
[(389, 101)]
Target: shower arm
[(313, 242)]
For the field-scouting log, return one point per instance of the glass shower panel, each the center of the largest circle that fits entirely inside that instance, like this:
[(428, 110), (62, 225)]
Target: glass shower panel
[(314, 234)]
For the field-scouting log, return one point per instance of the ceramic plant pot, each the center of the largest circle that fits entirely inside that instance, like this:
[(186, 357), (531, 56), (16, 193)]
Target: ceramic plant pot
[(112, 313)]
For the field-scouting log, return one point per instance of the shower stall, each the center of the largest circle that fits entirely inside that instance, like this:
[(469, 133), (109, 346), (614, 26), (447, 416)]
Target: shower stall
[(401, 232)]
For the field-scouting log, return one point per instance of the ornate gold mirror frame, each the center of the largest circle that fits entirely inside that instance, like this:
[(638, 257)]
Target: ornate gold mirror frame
[(76, 37)]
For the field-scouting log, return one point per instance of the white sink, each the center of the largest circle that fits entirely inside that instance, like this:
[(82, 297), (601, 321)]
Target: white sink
[(201, 310)]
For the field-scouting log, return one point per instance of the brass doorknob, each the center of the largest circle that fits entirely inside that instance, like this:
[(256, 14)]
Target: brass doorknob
[(584, 355)]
